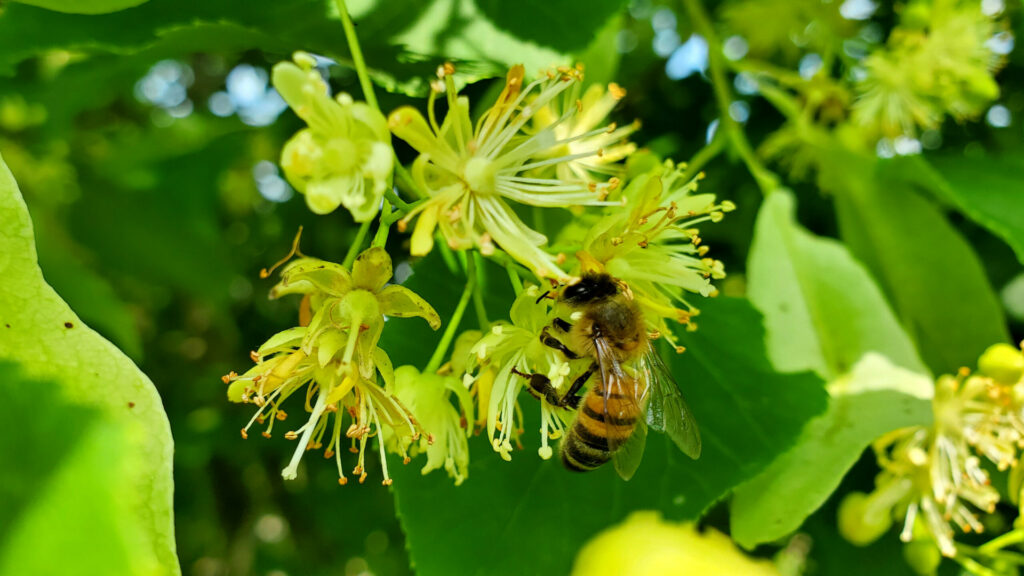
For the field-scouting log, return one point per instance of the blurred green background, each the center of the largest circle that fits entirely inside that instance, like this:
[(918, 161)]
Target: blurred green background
[(145, 143)]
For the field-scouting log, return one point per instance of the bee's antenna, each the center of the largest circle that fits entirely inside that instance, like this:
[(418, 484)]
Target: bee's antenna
[(543, 296)]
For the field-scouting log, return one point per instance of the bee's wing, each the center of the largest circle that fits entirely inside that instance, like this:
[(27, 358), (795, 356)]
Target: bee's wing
[(627, 458), (623, 401), (667, 411)]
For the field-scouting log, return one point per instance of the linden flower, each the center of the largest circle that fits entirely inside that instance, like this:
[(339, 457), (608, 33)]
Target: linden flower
[(428, 396), (655, 249), (335, 358), (932, 475), (938, 61), (470, 172), (587, 131), (344, 157), (504, 358)]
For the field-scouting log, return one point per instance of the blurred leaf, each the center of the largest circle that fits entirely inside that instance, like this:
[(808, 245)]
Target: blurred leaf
[(403, 40), (88, 293), (542, 22), (172, 220), (875, 398), (748, 414), (822, 309), (38, 330), (83, 6), (63, 484), (987, 189), (930, 273)]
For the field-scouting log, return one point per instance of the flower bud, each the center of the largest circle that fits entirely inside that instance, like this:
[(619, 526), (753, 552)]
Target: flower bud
[(1003, 363), (858, 524)]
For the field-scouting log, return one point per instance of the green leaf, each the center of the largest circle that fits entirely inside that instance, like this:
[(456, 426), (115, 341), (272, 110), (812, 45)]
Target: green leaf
[(43, 335), (930, 273), (822, 309), (403, 40), (987, 189), (83, 6), (542, 22), (63, 484), (875, 398), (747, 413), (89, 294)]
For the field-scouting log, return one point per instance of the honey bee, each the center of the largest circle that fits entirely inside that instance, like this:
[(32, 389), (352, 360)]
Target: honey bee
[(634, 389)]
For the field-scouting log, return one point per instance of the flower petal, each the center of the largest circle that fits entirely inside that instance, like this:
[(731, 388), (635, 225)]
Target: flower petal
[(400, 302), (372, 269), (307, 275)]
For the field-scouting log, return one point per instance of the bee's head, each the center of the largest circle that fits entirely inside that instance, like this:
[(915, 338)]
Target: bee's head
[(590, 288)]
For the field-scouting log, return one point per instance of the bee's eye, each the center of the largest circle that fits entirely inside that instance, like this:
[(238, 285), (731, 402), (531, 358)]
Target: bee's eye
[(576, 292)]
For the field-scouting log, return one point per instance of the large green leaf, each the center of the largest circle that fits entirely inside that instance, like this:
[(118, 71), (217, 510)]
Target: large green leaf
[(875, 398), (403, 41), (988, 189), (929, 271), (822, 309), (63, 485), (84, 6), (537, 512), (823, 312), (47, 339)]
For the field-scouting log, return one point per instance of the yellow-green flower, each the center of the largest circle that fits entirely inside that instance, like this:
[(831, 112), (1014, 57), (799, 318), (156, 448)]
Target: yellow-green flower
[(504, 357), (937, 62), (933, 476), (428, 397), (471, 171), (646, 545), (654, 247), (344, 157), (585, 131), (336, 359)]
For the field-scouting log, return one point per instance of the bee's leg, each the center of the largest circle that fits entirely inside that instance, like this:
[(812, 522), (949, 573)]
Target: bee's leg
[(552, 342), (540, 387), (561, 324), (572, 397)]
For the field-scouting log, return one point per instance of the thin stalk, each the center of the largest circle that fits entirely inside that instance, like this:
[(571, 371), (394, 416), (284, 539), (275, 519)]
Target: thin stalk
[(1002, 541), (357, 55), (478, 294), (407, 181), (703, 156), (456, 319), (357, 243), (767, 181)]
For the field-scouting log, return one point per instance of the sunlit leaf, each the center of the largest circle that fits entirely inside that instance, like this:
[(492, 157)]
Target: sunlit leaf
[(875, 398), (930, 273), (822, 309), (84, 6), (50, 343)]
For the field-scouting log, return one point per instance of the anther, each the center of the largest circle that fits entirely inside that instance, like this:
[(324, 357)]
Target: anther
[(245, 435), (227, 378)]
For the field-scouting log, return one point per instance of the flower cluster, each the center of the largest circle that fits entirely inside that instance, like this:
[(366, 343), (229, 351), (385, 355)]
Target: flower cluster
[(335, 359), (502, 361), (933, 476), (544, 143), (655, 247), (344, 157), (471, 171), (938, 61)]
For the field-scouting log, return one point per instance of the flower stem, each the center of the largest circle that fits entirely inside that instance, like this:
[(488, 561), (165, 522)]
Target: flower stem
[(703, 156), (1002, 541), (766, 179), (357, 244), (357, 55), (407, 181), (456, 319), (513, 277), (478, 294)]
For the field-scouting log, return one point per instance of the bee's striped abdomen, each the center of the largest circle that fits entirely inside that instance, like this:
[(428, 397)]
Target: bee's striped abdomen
[(586, 446)]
